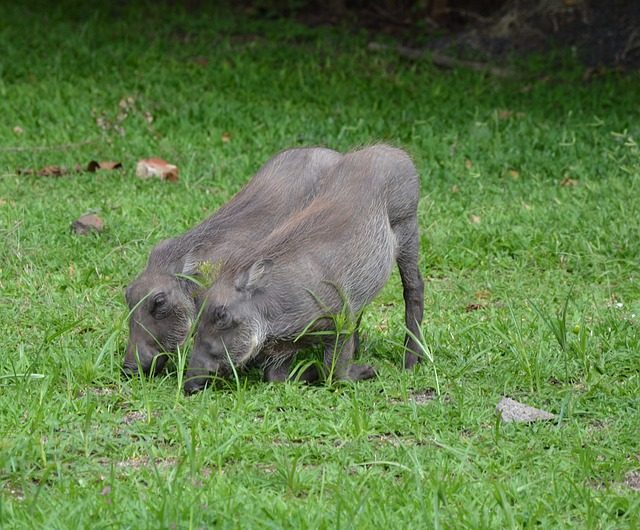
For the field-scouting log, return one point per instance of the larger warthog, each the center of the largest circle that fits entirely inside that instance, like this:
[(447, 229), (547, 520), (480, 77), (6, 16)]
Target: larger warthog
[(161, 299), (331, 258)]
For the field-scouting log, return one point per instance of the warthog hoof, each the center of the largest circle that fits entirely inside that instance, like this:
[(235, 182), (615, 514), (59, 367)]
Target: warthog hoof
[(195, 384), (360, 372)]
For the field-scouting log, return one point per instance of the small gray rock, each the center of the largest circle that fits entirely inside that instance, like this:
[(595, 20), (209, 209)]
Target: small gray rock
[(87, 223), (514, 411)]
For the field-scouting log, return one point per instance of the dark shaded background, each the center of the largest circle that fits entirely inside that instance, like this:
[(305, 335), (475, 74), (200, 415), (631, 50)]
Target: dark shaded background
[(598, 33)]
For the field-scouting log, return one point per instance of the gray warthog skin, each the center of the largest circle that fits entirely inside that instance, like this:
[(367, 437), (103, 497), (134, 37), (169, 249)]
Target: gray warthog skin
[(340, 248), (162, 300)]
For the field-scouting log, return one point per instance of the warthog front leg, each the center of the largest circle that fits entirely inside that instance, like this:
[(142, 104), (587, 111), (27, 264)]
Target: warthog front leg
[(278, 362)]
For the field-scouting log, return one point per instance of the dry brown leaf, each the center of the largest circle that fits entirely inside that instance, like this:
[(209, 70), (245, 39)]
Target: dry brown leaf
[(94, 165), (87, 223), (474, 307), (455, 189), (226, 137), (568, 182), (17, 130), (157, 167), (475, 219), (468, 164), (484, 294), (52, 171), (514, 174)]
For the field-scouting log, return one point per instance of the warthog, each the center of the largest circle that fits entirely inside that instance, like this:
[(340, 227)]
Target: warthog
[(161, 299), (332, 257)]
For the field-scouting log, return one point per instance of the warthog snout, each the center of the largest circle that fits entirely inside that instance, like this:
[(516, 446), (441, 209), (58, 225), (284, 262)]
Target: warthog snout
[(138, 361), (198, 379)]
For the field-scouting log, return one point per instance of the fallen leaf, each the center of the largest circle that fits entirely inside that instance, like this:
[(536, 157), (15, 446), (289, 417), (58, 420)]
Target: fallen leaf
[(87, 223), (93, 166), (514, 174), (475, 219), (483, 295), (474, 307), (514, 411), (156, 167), (468, 164), (226, 137), (455, 188), (17, 130), (568, 182), (52, 171)]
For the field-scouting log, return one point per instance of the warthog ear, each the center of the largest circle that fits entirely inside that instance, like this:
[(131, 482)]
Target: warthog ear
[(256, 277), (190, 264)]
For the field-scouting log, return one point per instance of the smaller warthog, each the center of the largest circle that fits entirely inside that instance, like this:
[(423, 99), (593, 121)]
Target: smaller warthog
[(161, 299), (331, 258)]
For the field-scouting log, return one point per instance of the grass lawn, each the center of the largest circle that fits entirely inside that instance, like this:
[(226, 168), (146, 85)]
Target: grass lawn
[(530, 225)]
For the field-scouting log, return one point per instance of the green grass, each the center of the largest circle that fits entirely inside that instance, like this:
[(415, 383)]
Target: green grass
[(82, 448)]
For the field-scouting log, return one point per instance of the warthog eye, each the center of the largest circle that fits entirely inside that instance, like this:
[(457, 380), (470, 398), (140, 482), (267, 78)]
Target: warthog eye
[(221, 317), (159, 306)]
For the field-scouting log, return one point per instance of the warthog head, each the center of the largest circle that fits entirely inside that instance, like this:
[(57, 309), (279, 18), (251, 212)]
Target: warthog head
[(162, 311), (231, 329)]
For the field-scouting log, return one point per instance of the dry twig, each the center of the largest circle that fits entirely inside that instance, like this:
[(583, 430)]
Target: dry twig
[(58, 147)]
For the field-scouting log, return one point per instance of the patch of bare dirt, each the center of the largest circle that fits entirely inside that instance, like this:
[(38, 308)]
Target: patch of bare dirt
[(139, 462), (134, 416), (632, 480), (14, 491), (392, 439), (99, 391), (421, 397)]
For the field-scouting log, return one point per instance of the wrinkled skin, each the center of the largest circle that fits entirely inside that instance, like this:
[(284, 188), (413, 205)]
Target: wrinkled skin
[(333, 257), (162, 301), (160, 320), (228, 328)]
